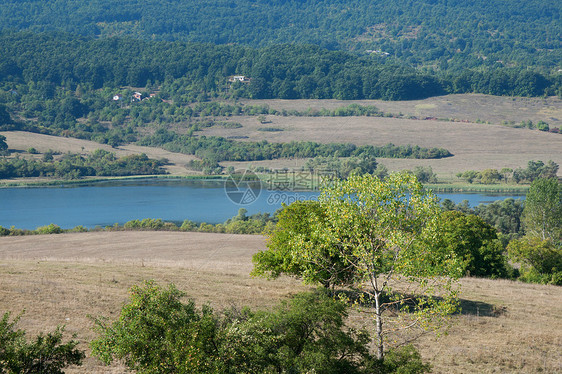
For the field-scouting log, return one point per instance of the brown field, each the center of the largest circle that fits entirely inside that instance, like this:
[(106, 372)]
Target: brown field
[(506, 327), (476, 146), (21, 141), (465, 107)]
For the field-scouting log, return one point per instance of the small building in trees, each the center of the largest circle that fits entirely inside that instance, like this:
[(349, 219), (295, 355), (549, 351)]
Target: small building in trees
[(239, 78)]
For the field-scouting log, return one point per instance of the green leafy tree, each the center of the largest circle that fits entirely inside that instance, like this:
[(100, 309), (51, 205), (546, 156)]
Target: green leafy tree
[(3, 144), (381, 230), (157, 333), (295, 249), (305, 334), (469, 175), (490, 176), (44, 354), (475, 241), (542, 215), (425, 174), (5, 118), (506, 173), (541, 260)]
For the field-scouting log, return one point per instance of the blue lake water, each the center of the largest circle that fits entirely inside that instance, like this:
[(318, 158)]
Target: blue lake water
[(106, 203)]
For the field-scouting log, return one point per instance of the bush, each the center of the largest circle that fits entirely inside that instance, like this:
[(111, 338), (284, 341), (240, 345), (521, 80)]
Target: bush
[(404, 360), (158, 333), (474, 240), (49, 229), (541, 260), (45, 354)]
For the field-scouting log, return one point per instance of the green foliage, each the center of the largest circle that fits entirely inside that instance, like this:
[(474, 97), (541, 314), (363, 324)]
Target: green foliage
[(362, 164), (74, 166), (469, 175), (45, 354), (542, 126), (425, 174), (403, 360), (542, 216), (383, 229), (504, 215), (304, 334), (145, 224), (540, 259), (295, 249), (475, 241), (534, 170), (451, 36), (158, 333), (3, 144), (5, 118), (490, 176), (223, 149), (375, 232), (49, 229)]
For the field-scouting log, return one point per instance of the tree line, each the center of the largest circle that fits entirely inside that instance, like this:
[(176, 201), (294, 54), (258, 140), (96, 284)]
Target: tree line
[(74, 166), (222, 149)]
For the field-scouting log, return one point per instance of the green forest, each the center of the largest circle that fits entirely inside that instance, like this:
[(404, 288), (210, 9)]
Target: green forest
[(442, 34), (60, 84)]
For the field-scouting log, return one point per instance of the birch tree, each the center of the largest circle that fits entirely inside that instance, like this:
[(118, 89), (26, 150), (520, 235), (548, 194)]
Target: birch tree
[(384, 229)]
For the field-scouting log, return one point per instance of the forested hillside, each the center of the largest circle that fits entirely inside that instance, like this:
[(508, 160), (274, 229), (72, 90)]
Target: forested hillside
[(441, 34), (283, 71)]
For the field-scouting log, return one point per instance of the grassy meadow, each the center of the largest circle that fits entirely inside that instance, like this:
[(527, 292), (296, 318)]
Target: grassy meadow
[(504, 326)]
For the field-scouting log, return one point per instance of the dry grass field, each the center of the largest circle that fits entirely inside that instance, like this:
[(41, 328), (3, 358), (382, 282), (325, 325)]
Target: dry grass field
[(21, 141), (505, 327), (465, 107), (476, 146)]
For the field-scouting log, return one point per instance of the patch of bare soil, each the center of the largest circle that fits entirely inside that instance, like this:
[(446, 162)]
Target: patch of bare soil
[(505, 327)]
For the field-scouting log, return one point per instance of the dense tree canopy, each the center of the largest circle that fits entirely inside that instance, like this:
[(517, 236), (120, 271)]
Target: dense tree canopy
[(445, 34), (280, 71), (475, 241), (295, 249)]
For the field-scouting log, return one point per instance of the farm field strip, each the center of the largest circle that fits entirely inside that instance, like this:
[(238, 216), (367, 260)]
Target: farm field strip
[(505, 326)]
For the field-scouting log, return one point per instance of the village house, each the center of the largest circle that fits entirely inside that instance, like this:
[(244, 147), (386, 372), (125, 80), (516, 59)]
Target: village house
[(239, 78)]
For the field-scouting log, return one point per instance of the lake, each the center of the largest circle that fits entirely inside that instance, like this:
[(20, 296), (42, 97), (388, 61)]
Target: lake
[(106, 203)]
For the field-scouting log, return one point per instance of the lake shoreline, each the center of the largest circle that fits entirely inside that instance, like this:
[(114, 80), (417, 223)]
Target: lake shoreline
[(437, 188)]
